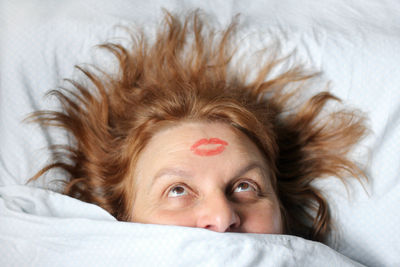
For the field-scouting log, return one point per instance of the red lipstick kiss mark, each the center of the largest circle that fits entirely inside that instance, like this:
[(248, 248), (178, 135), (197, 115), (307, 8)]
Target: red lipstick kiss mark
[(196, 148)]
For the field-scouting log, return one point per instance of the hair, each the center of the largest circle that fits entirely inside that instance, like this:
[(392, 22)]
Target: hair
[(187, 74)]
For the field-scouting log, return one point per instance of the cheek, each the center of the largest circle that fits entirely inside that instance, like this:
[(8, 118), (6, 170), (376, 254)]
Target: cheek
[(263, 219), (172, 217)]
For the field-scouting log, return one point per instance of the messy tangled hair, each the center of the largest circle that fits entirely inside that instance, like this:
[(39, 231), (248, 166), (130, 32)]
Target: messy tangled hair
[(187, 74)]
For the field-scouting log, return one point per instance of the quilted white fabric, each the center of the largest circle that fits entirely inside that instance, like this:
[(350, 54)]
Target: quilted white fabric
[(356, 44), (48, 229)]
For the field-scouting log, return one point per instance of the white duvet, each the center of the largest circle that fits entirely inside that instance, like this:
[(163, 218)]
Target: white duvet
[(355, 44), (48, 229)]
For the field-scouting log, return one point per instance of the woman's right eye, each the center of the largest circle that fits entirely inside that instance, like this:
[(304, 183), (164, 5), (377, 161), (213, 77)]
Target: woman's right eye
[(177, 191)]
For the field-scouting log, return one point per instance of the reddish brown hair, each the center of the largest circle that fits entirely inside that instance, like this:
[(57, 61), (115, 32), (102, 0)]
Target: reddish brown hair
[(187, 75)]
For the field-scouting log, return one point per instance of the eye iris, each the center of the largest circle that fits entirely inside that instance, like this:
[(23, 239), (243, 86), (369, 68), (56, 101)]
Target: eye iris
[(178, 190), (244, 186)]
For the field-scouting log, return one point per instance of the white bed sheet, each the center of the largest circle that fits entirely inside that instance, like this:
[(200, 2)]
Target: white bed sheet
[(355, 43), (42, 229)]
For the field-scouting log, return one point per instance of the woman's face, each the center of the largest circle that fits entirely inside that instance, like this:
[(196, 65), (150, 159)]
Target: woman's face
[(206, 175)]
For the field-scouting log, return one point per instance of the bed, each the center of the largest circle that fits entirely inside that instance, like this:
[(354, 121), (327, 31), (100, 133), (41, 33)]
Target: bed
[(356, 46)]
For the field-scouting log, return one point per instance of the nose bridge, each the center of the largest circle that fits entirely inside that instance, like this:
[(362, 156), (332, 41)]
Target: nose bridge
[(217, 213)]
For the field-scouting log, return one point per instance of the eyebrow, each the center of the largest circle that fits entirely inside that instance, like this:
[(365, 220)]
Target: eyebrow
[(171, 172), (249, 167), (187, 175)]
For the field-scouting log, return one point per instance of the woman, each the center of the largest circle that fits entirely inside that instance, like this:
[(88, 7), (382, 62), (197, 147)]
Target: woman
[(180, 136)]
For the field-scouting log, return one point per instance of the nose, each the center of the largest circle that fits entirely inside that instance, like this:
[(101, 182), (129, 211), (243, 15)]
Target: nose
[(217, 214)]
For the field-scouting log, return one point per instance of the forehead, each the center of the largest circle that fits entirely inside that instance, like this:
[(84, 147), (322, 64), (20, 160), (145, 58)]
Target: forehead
[(186, 142), (188, 136)]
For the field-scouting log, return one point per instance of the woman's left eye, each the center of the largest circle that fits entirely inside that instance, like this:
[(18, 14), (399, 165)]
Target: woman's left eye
[(245, 187)]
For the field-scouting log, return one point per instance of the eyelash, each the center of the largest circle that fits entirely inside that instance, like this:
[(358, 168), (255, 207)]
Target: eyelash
[(251, 184)]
